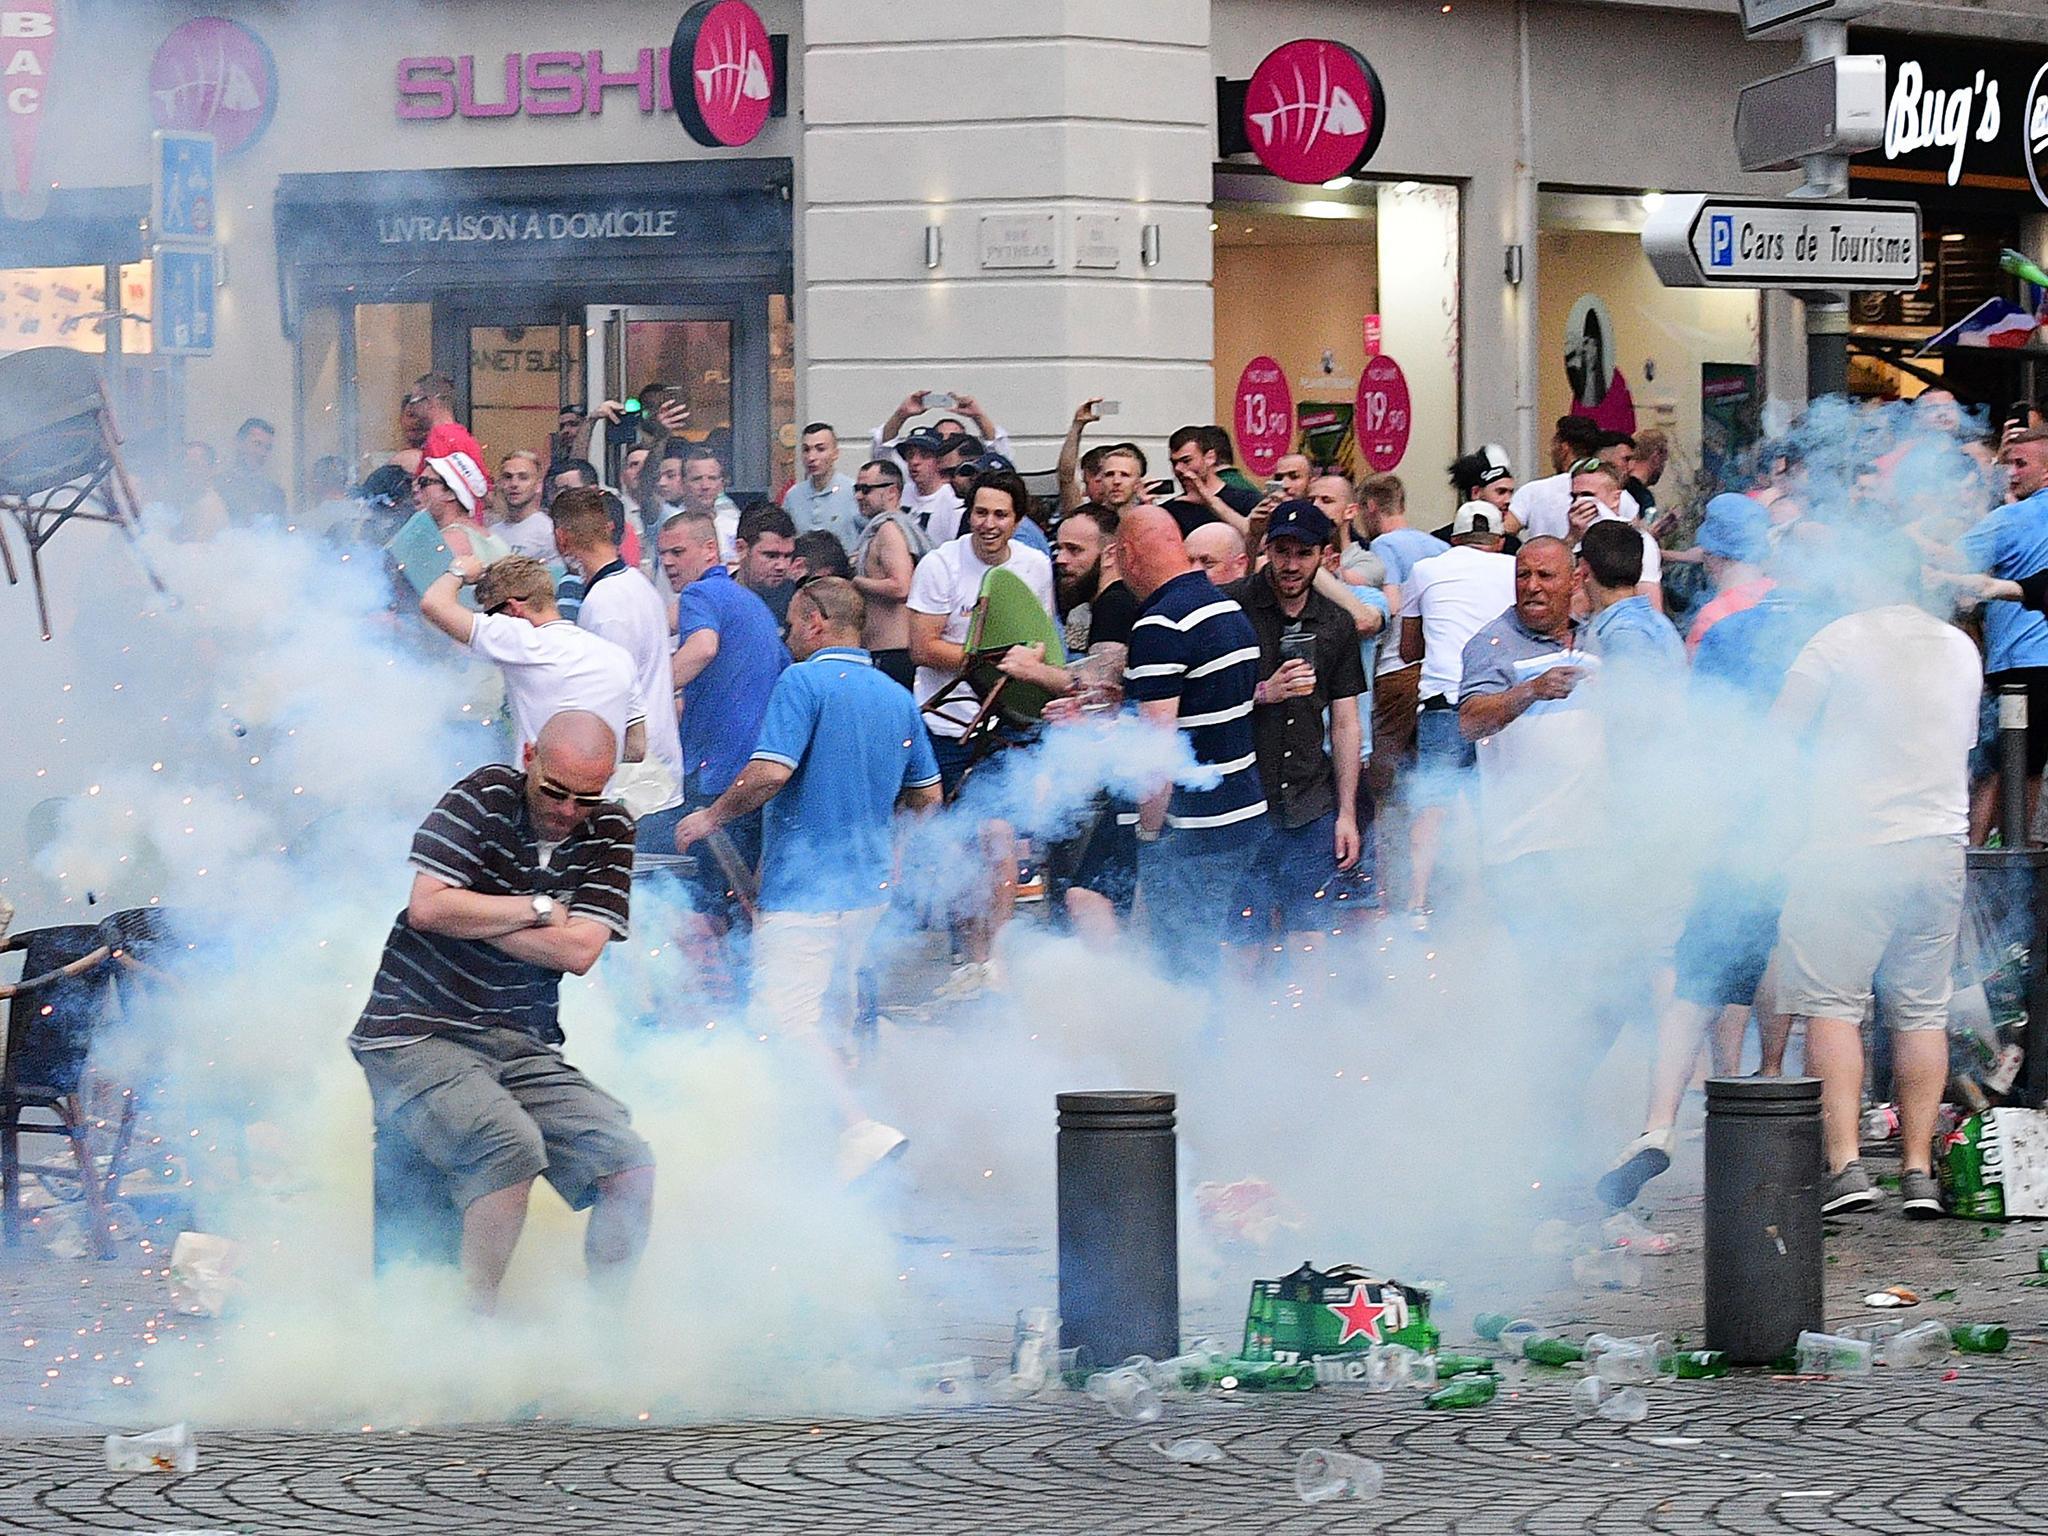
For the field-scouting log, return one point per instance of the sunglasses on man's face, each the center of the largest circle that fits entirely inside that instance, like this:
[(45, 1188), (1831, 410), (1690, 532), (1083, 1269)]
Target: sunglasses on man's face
[(556, 791), (864, 486)]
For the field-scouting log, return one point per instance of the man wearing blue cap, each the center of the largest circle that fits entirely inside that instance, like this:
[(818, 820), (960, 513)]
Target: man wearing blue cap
[(1734, 541), (1309, 664)]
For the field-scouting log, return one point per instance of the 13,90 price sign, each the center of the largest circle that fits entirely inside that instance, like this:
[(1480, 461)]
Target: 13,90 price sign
[(1382, 419), (1265, 415)]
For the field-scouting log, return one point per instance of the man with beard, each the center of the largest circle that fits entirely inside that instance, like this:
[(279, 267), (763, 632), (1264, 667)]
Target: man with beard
[(1309, 665)]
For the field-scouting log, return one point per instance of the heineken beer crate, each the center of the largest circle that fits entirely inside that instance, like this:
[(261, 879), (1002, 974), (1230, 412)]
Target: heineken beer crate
[(1344, 1311), (1994, 1165)]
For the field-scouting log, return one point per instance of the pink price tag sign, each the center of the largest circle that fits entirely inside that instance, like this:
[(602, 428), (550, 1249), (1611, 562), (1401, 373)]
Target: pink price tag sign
[(1264, 415), (1382, 419)]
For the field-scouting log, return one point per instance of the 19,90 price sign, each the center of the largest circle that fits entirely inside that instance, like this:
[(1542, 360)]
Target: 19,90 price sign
[(1265, 415), (1382, 419)]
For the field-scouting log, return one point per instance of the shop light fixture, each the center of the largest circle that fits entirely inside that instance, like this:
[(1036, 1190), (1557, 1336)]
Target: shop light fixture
[(1336, 183), (1327, 210), (1148, 245), (934, 246), (1652, 201), (1953, 237)]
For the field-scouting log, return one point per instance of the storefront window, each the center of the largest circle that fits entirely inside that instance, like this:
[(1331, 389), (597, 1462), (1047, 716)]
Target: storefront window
[(67, 307), (782, 436), (394, 346), (1617, 345), (517, 385), (1321, 280), (321, 426)]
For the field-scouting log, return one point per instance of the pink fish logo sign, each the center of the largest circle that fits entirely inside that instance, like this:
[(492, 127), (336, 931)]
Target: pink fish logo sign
[(721, 73), (28, 42), (1314, 110), (212, 75)]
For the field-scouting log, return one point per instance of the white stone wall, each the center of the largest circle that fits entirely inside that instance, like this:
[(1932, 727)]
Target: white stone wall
[(1068, 107)]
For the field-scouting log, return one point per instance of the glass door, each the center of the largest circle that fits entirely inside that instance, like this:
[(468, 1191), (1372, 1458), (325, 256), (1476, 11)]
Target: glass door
[(521, 372), (707, 353)]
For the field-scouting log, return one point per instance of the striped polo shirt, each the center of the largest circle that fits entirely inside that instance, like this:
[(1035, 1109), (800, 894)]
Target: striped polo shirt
[(480, 838), (1195, 646)]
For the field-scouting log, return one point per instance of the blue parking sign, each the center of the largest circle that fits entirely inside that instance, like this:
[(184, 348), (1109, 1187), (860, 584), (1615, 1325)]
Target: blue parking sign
[(1721, 240)]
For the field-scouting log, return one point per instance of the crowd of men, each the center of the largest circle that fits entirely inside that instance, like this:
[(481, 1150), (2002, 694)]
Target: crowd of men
[(778, 687)]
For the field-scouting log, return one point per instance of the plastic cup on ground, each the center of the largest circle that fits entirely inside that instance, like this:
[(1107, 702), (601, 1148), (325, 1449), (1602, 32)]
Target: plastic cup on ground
[(1830, 1354), (1625, 1363), (1190, 1452), (170, 1449), (1128, 1395), (1927, 1344), (1321, 1475), (1587, 1396)]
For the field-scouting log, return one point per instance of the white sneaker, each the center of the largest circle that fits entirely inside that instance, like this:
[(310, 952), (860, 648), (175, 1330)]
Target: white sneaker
[(968, 981), (865, 1146), (1639, 1162)]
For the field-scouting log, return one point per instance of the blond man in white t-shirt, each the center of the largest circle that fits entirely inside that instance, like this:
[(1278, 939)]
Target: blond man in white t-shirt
[(549, 665)]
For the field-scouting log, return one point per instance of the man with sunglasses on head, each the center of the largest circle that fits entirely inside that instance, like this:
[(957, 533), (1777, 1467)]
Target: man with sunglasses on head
[(520, 875), (548, 663)]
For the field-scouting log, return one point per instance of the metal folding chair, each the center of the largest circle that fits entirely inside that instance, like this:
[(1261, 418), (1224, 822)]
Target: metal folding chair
[(51, 1015)]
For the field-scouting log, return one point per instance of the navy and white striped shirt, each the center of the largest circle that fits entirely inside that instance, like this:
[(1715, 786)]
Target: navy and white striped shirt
[(1195, 646), (480, 838)]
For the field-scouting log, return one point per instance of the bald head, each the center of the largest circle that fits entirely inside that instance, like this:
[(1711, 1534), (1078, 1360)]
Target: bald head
[(577, 739), (1218, 549), (1149, 550)]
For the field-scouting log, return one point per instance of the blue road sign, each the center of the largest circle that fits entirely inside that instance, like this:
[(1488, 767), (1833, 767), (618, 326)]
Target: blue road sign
[(184, 300), (185, 187)]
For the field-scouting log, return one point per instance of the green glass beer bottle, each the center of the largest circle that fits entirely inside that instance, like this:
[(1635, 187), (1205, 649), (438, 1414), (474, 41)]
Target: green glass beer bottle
[(1980, 1338), (1448, 1366), (1695, 1364), (1548, 1351), (1465, 1392)]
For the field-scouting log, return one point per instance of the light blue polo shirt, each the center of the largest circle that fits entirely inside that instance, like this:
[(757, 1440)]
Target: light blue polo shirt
[(1634, 631), (855, 741), (835, 509), (2012, 542), (722, 705)]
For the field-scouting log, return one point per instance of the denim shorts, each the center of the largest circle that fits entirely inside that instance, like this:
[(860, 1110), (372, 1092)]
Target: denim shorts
[(1287, 877), (1444, 759)]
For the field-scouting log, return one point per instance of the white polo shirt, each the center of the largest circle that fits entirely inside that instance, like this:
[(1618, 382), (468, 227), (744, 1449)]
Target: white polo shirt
[(622, 606), (556, 666)]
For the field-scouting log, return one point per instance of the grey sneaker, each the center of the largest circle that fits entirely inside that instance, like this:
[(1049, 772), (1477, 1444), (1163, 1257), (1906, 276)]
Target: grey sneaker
[(1919, 1196), (1849, 1190)]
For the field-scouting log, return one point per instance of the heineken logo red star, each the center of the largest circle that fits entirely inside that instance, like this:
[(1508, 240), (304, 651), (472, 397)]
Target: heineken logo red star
[(1360, 1314)]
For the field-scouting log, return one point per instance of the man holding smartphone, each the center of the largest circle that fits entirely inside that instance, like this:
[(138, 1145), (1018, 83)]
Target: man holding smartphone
[(1309, 666)]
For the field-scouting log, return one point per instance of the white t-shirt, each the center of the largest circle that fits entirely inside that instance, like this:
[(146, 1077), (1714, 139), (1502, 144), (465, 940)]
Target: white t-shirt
[(1456, 595), (1544, 507), (948, 581), (556, 666), (533, 534), (939, 513), (625, 609), (1891, 694)]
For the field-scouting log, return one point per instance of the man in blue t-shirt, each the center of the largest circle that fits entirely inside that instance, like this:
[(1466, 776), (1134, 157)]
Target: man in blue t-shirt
[(729, 653), (840, 749), (1193, 664), (2011, 543)]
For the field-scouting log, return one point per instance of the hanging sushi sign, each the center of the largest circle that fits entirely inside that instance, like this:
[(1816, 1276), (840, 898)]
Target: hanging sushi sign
[(1314, 111)]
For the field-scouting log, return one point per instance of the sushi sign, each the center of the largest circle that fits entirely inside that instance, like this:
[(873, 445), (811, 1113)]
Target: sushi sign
[(1314, 111)]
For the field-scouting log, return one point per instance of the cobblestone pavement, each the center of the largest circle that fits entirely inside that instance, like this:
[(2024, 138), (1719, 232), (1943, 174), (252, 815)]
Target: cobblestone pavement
[(1755, 1454)]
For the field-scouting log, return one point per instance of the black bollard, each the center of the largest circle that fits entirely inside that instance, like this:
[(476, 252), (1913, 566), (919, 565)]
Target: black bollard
[(1764, 1266), (2012, 765), (1119, 1243)]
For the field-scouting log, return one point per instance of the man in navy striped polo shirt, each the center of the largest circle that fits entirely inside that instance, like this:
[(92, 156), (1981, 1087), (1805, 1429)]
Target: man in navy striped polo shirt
[(1193, 664)]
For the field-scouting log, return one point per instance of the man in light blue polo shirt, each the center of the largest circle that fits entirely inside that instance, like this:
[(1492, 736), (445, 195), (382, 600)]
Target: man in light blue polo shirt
[(840, 749), (824, 498)]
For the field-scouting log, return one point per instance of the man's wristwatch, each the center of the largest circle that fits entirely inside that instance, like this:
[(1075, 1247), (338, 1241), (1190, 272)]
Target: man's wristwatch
[(543, 910)]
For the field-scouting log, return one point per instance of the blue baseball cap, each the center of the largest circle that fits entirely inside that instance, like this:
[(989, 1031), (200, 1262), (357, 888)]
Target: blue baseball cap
[(1736, 527), (1299, 519)]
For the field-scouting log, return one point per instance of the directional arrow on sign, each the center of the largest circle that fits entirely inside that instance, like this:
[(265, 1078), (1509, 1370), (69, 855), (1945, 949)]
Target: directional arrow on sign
[(1697, 240)]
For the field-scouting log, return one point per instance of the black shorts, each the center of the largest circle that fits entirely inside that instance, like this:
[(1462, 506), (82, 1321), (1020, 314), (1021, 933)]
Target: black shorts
[(1102, 857), (897, 665), (2035, 680)]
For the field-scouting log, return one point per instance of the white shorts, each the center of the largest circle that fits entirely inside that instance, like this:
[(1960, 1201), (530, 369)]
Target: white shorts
[(1863, 923)]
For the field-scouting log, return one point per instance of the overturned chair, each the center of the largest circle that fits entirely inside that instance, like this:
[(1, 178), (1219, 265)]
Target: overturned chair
[(1006, 613)]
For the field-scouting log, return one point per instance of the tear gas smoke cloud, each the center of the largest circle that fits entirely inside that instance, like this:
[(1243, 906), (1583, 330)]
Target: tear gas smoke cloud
[(1417, 1100)]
